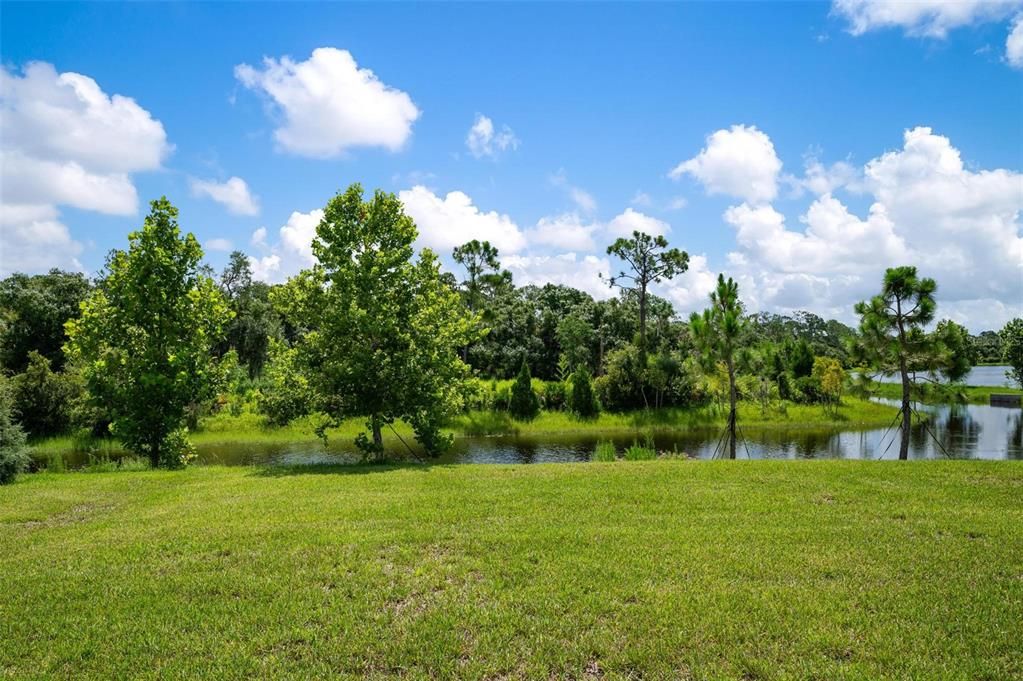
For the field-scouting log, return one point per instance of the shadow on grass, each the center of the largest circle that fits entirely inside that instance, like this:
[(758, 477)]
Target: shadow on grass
[(283, 471)]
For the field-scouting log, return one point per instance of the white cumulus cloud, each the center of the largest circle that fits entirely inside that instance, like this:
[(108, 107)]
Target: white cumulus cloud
[(1014, 43), (447, 222), (928, 18), (483, 140), (738, 162), (957, 225), (630, 220), (65, 142), (567, 231), (329, 104), (233, 194), (569, 269)]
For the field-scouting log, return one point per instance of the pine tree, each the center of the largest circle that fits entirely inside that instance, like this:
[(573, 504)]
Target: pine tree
[(524, 403)]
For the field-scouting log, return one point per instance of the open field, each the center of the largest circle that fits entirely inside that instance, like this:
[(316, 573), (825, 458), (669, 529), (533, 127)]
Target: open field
[(251, 428), (658, 569)]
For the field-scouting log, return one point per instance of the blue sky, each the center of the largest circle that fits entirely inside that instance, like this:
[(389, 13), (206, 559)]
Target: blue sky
[(776, 119)]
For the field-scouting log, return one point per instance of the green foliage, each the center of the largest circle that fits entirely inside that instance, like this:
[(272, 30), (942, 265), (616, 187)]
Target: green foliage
[(891, 324), (649, 261), (716, 334), (524, 403), (255, 324), (638, 452), (381, 327), (829, 375), (954, 352), (14, 458), (286, 393), (1012, 349), (605, 451), (552, 394), (146, 335), (618, 389), (576, 338), (800, 359), (45, 400), (583, 401), (33, 311)]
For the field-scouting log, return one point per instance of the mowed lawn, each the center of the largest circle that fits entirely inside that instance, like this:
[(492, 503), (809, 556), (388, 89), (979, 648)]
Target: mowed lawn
[(661, 569)]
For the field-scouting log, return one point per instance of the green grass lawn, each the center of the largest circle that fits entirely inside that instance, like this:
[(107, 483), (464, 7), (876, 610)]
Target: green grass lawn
[(650, 569)]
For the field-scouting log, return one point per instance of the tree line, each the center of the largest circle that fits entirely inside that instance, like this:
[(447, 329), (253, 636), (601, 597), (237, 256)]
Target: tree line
[(377, 330)]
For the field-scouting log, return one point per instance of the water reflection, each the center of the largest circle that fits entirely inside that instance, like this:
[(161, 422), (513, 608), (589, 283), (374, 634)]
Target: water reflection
[(961, 431)]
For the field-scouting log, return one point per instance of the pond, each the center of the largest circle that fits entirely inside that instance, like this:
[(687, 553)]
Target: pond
[(960, 431), (989, 375)]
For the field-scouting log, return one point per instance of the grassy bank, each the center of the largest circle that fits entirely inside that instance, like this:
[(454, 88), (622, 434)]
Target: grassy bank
[(225, 429), (972, 394), (658, 569)]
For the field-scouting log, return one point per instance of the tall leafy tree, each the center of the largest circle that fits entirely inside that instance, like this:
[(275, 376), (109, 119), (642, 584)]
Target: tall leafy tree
[(649, 261), (484, 279), (716, 334), (383, 324), (146, 335), (255, 323), (33, 310), (892, 337), (14, 458), (1012, 349)]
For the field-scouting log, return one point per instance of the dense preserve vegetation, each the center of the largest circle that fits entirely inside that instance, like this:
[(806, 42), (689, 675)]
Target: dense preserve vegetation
[(158, 346)]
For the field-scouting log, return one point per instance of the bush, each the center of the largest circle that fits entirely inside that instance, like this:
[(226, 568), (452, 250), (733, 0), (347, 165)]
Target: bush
[(619, 388), (176, 451), (605, 451), (43, 399), (638, 452), (287, 394), (524, 403), (583, 402), (14, 457), (552, 395), (807, 390)]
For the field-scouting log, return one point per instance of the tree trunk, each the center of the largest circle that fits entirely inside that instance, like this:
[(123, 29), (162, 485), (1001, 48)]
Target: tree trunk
[(904, 371), (642, 345), (731, 409), (906, 414), (378, 437)]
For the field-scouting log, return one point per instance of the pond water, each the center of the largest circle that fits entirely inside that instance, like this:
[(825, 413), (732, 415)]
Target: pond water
[(960, 431), (994, 375)]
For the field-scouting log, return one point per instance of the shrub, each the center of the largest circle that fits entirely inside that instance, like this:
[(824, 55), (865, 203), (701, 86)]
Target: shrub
[(637, 452), (287, 394), (807, 390), (605, 451), (552, 394), (619, 388), (43, 399), (583, 402), (14, 457), (176, 451), (524, 403)]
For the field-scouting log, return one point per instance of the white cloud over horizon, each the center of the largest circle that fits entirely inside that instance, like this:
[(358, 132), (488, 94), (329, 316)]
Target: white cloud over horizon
[(739, 162), (330, 105), (65, 142)]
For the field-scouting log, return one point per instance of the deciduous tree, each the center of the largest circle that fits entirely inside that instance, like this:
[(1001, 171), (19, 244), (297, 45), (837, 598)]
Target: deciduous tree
[(145, 338), (385, 325)]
